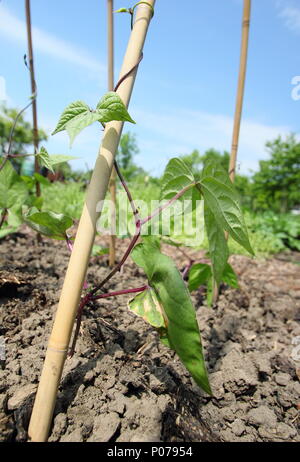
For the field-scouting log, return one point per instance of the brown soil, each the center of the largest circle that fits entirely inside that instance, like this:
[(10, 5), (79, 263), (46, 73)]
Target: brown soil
[(130, 387)]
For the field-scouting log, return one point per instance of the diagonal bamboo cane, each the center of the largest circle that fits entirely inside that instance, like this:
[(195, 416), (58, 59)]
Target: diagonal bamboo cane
[(66, 312), (112, 183), (239, 105)]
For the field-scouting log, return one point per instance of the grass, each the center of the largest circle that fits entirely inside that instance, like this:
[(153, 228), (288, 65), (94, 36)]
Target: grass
[(66, 198), (264, 229)]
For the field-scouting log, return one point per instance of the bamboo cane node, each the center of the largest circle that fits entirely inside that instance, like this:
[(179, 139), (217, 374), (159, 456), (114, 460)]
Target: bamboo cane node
[(145, 3), (57, 350), (246, 23)]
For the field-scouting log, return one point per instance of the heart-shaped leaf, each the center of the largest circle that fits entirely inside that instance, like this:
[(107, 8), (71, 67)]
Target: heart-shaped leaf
[(222, 200), (182, 331), (49, 161), (12, 189), (229, 276), (111, 107), (218, 248), (50, 224), (78, 115), (199, 274), (147, 306)]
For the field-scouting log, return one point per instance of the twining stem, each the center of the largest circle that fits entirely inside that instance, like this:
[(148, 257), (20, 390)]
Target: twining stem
[(110, 81), (89, 298), (186, 270), (168, 203), (3, 216), (131, 11), (70, 248), (120, 292), (138, 226), (8, 154), (60, 336), (69, 243), (129, 72)]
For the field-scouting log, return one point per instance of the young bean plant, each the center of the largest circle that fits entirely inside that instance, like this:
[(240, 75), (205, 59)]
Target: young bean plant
[(164, 300)]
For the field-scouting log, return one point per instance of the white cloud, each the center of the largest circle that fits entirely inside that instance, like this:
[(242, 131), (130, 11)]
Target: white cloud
[(165, 135), (291, 16), (161, 136), (14, 29)]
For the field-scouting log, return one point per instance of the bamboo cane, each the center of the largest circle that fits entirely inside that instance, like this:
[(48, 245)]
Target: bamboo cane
[(112, 183), (66, 312), (239, 105), (241, 88), (33, 91)]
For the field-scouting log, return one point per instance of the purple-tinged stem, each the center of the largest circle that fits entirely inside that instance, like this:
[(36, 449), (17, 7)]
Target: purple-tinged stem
[(122, 261), (186, 270), (88, 298), (138, 223), (120, 292), (135, 237), (11, 134), (129, 196), (167, 204)]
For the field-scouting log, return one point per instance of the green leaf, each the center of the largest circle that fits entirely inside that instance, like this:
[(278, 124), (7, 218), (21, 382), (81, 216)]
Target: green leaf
[(44, 159), (147, 306), (12, 223), (75, 126), (28, 180), (111, 107), (230, 277), (122, 10), (199, 274), (50, 224), (218, 248), (98, 250), (209, 292), (12, 189), (78, 115), (41, 179), (37, 202), (48, 161), (73, 110), (176, 177), (182, 329), (222, 200), (6, 230), (294, 243), (60, 159)]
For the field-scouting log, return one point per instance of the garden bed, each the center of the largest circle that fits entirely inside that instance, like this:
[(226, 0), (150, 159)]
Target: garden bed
[(122, 384)]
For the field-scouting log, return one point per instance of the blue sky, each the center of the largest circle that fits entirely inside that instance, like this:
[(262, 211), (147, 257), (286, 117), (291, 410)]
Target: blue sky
[(184, 96)]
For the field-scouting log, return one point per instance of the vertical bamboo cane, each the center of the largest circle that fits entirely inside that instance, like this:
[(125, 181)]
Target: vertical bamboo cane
[(241, 88), (33, 91), (66, 312), (239, 104), (112, 183)]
